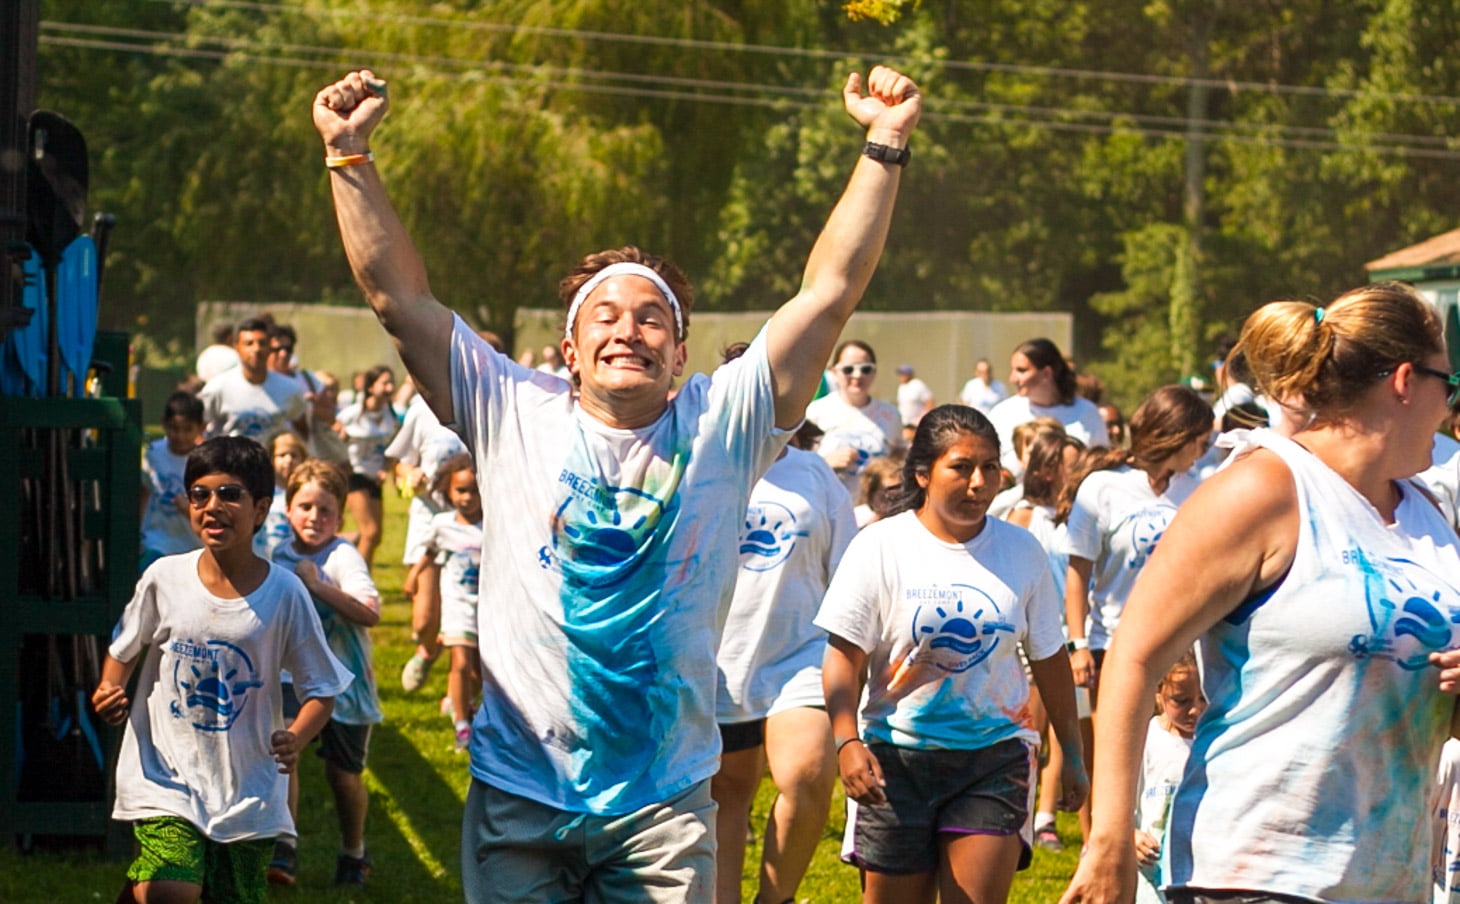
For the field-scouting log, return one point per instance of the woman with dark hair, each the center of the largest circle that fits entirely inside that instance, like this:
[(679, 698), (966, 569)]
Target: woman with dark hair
[(1121, 506), (928, 609), (1044, 386), (1320, 583), (858, 427), (368, 426)]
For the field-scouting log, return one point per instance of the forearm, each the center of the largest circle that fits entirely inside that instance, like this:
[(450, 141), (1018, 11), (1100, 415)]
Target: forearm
[(1057, 690), (116, 672), (314, 713), (1126, 689), (842, 669), (1077, 597), (346, 606)]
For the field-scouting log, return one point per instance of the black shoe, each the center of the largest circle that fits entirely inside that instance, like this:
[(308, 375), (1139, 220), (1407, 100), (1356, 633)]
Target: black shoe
[(284, 865), (352, 870)]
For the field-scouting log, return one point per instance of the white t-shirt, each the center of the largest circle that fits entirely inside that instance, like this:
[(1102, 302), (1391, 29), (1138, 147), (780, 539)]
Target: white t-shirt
[(1313, 769), (276, 529), (983, 396), (232, 406), (1162, 764), (941, 624), (208, 697), (165, 530), (342, 566), (796, 527), (1442, 477), (1115, 522), (459, 553), (874, 430), (367, 434), (613, 556), (422, 443), (1081, 419), (1446, 858), (912, 397)]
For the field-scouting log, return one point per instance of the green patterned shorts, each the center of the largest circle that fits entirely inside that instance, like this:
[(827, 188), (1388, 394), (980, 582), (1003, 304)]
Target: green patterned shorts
[(173, 849)]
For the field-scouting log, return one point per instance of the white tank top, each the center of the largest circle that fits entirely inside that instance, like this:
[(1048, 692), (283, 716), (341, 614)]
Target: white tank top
[(1312, 771)]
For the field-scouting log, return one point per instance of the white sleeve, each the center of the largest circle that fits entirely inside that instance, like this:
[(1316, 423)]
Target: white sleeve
[(1083, 534), (306, 655), (852, 608), (1042, 606), (402, 447), (137, 626), (839, 513), (346, 569)]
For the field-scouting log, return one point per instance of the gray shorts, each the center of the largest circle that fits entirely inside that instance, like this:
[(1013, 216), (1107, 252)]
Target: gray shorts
[(515, 849), (964, 792)]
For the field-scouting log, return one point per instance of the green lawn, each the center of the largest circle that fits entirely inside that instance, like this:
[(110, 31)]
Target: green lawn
[(417, 785)]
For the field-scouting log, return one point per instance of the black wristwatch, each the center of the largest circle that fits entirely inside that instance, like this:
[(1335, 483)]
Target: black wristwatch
[(886, 153)]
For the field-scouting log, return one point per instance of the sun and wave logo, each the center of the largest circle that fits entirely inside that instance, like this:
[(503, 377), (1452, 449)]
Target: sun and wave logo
[(600, 533), (961, 629), (1146, 529), (1410, 620), (213, 681), (769, 536)]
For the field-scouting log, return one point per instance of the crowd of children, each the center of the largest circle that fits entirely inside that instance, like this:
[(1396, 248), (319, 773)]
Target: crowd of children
[(962, 647)]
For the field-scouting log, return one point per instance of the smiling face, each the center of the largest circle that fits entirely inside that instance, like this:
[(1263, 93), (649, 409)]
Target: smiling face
[(1034, 383), (960, 485), (383, 387), (314, 514), (624, 352), (855, 372), (223, 526)]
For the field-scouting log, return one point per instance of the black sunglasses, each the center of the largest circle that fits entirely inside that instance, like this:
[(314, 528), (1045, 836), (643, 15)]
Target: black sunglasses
[(228, 494), (1453, 380)]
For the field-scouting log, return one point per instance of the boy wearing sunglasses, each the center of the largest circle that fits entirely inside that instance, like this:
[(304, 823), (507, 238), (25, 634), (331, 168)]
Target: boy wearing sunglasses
[(202, 768)]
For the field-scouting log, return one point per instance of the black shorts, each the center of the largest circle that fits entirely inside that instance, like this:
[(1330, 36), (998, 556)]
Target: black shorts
[(370, 485), (738, 736), (342, 746), (963, 792), (1201, 896)]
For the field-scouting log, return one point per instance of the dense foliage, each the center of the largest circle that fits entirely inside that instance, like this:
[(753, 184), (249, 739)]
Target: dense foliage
[(1156, 166)]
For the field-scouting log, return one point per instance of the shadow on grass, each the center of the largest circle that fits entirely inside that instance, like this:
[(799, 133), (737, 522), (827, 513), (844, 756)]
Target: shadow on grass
[(413, 831)]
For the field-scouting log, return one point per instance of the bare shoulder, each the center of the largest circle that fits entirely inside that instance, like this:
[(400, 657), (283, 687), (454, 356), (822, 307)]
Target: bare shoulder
[(1249, 512)]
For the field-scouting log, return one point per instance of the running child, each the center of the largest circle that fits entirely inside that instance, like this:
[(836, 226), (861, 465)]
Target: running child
[(454, 544), (288, 451), (166, 529), (348, 604), (1179, 703), (202, 765)]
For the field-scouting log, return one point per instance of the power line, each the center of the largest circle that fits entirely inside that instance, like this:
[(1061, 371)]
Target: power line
[(1230, 85), (1299, 136), (763, 102)]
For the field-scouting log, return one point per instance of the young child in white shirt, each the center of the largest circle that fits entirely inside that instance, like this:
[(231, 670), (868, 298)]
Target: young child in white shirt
[(166, 529), (199, 771), (1179, 703)]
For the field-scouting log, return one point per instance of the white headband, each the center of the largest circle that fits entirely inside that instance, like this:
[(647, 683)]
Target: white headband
[(625, 269)]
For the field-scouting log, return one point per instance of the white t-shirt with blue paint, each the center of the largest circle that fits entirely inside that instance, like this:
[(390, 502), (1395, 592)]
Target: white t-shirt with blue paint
[(612, 557), (459, 553), (796, 527), (941, 624), (165, 530), (1115, 523), (1312, 772)]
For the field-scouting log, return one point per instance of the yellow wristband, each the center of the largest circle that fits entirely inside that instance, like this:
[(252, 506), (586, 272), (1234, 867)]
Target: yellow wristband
[(349, 160)]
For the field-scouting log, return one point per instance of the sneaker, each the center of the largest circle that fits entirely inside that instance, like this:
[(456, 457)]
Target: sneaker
[(413, 676), (1049, 839), (463, 739), (352, 870), (284, 865)]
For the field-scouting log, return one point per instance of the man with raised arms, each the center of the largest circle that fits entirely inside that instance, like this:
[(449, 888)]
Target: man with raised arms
[(612, 517)]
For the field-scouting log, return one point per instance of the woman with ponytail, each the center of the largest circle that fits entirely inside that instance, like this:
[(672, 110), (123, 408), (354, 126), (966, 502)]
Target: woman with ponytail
[(1319, 582)]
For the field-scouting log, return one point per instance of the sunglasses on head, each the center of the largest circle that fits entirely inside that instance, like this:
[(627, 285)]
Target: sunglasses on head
[(858, 370), (228, 494)]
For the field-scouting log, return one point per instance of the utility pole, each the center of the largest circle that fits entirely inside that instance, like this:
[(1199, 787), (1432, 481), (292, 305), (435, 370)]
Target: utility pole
[(18, 35)]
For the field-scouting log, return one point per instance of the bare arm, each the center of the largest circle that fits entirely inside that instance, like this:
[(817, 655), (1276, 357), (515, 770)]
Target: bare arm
[(1077, 609), (385, 262), (346, 606), (803, 331), (287, 743), (1193, 579), (1057, 690), (842, 671)]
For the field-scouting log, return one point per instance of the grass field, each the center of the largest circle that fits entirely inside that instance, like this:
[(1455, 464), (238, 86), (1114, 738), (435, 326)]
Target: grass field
[(417, 785)]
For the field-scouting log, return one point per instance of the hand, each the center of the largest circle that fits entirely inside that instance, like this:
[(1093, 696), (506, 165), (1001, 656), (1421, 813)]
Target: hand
[(892, 102), (110, 703), (284, 745), (861, 774), (1148, 848), (308, 573), (1082, 667), (1106, 875), (1448, 662), (346, 112), (1074, 785), (843, 459)]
